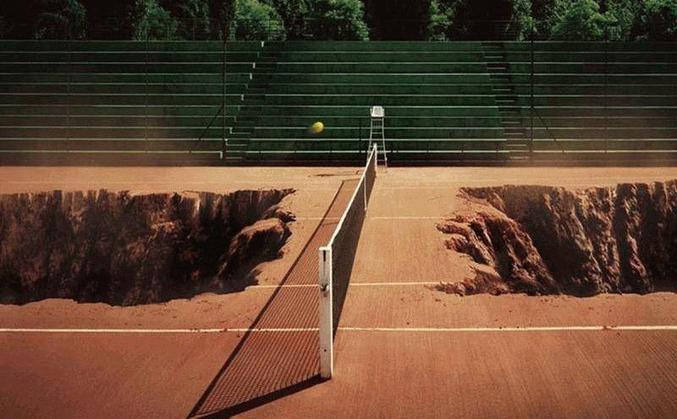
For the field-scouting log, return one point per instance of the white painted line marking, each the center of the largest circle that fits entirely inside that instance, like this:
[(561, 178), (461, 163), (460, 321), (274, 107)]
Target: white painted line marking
[(276, 330), (357, 329), (315, 185), (412, 217), (159, 331), (392, 284), (140, 331), (509, 329), (352, 284)]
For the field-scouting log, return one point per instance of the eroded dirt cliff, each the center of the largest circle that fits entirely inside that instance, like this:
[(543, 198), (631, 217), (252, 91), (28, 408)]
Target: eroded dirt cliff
[(125, 249), (549, 240)]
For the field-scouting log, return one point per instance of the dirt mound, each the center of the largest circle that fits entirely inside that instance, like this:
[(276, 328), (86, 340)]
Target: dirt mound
[(548, 240), (125, 249)]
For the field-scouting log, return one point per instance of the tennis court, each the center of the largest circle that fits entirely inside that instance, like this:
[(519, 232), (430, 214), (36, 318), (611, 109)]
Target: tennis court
[(338, 208), (401, 348)]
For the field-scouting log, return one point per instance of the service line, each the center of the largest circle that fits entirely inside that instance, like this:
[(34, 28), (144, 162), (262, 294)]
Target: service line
[(351, 284), (509, 329), (408, 217)]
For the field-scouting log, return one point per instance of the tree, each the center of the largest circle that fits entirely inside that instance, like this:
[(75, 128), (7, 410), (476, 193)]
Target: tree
[(61, 19), (257, 21), (578, 20), (541, 12), (441, 22), (192, 17), (522, 22), (221, 15), (479, 19), (658, 20), (621, 15), (294, 14), (152, 22), (337, 20)]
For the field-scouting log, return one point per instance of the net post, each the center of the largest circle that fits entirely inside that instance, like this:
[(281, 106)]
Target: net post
[(374, 152), (145, 93), (531, 89), (366, 198), (326, 330), (69, 76), (224, 141)]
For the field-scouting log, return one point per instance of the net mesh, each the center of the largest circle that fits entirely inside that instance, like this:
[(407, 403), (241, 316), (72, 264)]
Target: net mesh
[(346, 236)]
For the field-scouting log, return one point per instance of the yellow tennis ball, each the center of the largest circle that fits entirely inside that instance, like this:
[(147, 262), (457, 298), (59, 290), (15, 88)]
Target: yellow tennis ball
[(317, 127)]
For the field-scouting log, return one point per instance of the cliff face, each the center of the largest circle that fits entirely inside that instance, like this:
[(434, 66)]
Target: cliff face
[(545, 240), (124, 249)]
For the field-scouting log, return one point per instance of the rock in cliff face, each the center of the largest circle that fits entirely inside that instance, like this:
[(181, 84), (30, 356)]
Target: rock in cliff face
[(544, 240), (125, 249)]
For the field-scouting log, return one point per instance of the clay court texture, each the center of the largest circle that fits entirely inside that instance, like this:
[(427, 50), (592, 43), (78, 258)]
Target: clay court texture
[(409, 342)]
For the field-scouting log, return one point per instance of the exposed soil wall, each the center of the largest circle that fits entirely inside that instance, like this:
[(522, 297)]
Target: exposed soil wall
[(549, 240), (124, 249)]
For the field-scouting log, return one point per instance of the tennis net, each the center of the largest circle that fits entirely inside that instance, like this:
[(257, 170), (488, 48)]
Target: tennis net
[(336, 263)]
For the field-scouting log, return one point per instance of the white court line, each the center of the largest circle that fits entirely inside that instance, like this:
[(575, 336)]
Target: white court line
[(384, 217), (510, 329), (93, 331), (157, 331), (358, 329), (315, 185), (269, 286), (412, 217), (352, 284), (276, 330), (392, 284)]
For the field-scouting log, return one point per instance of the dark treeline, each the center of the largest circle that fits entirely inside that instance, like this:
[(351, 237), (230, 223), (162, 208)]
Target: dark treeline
[(624, 20)]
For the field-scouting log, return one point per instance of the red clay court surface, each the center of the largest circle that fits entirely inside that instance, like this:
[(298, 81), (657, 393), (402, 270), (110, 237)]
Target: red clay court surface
[(402, 350)]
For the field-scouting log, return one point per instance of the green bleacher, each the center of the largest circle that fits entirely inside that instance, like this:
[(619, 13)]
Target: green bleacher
[(438, 100), (591, 101), (455, 102), (119, 101)]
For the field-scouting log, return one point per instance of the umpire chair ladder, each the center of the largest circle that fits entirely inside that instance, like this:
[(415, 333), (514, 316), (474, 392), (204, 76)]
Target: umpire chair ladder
[(377, 130)]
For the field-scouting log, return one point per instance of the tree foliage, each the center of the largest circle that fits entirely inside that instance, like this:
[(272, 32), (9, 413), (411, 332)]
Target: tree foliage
[(61, 19), (151, 22), (478, 19), (658, 20), (616, 20), (621, 18), (192, 17), (441, 23), (522, 22), (578, 20), (255, 20), (338, 20), (294, 14), (221, 14)]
